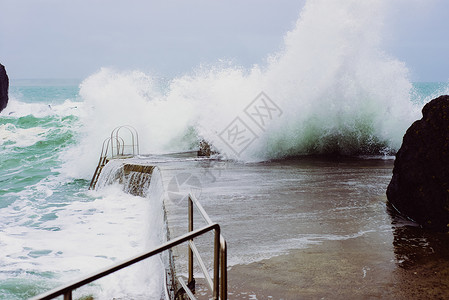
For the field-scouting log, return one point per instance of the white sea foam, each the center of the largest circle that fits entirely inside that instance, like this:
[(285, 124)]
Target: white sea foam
[(335, 88), (75, 238), (17, 108), (11, 136)]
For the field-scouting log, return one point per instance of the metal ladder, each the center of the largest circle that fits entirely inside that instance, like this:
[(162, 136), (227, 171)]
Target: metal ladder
[(114, 147)]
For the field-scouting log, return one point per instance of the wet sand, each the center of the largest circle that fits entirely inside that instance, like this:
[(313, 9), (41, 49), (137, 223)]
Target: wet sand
[(339, 270)]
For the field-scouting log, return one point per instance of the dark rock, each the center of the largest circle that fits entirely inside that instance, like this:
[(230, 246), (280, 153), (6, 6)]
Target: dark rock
[(205, 149), (419, 188), (4, 86)]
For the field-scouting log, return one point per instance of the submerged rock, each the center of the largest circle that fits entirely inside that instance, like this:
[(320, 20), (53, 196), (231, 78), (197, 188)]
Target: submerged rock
[(419, 188), (4, 86)]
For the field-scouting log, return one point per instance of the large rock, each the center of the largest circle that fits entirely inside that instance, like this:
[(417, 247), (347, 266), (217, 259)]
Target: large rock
[(419, 188), (4, 86)]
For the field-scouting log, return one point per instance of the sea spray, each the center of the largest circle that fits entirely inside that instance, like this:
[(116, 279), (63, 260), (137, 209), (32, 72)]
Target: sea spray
[(338, 91), (113, 99)]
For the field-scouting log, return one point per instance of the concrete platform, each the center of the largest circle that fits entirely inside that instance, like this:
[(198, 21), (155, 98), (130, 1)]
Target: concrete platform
[(310, 229)]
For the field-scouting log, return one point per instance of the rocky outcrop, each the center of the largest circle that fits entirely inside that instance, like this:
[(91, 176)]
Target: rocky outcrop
[(419, 188), (4, 86)]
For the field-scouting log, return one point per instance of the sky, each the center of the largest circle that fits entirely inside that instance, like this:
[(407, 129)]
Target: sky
[(75, 38)]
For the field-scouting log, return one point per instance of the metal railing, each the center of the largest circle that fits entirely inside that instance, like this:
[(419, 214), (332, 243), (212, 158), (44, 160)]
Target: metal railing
[(114, 147), (66, 290), (134, 145), (220, 260), (218, 284)]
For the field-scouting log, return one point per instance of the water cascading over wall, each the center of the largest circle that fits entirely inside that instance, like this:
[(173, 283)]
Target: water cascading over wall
[(143, 180), (135, 178)]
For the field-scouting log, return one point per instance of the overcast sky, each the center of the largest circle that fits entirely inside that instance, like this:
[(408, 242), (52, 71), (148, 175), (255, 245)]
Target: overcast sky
[(75, 38)]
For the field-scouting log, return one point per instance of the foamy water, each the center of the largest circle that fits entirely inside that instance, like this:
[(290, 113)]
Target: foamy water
[(52, 242)]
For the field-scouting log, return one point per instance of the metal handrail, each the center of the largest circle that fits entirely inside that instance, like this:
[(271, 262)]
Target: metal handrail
[(67, 289), (134, 135), (110, 140), (202, 265), (119, 149), (219, 260), (104, 158)]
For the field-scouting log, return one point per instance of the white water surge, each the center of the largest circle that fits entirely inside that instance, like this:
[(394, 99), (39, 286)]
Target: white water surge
[(72, 239), (336, 89), (145, 280)]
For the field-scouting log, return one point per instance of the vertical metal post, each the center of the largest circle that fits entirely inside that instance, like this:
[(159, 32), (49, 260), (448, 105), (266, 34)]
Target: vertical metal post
[(68, 295), (137, 143), (190, 250), (216, 292), (224, 268), (132, 141), (117, 143)]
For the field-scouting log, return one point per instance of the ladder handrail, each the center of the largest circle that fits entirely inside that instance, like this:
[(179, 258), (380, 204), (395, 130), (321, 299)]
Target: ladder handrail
[(133, 133), (119, 147), (220, 261), (103, 159), (67, 289)]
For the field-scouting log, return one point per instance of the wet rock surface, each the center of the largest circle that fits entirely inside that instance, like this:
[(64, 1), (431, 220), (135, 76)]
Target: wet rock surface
[(419, 188), (4, 86)]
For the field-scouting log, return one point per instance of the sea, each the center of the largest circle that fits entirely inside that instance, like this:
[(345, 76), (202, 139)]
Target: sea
[(53, 229), (302, 151)]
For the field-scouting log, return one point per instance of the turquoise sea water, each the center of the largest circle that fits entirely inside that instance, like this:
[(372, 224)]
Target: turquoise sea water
[(52, 229)]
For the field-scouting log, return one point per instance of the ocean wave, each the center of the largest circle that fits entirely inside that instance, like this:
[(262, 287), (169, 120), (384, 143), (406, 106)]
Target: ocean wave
[(330, 90), (17, 108)]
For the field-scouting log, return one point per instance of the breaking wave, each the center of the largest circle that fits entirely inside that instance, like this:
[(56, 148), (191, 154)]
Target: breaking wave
[(330, 90)]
